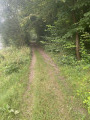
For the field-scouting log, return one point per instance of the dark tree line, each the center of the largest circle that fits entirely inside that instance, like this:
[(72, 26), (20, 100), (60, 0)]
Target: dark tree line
[(59, 24)]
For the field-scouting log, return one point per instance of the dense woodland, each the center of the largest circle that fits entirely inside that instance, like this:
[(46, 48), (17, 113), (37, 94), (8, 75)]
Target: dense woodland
[(61, 24), (61, 27)]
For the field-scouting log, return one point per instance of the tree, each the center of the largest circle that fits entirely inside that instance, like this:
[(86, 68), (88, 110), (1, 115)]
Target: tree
[(58, 22), (11, 30)]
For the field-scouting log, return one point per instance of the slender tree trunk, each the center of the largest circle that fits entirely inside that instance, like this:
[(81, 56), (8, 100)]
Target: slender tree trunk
[(77, 47), (76, 36)]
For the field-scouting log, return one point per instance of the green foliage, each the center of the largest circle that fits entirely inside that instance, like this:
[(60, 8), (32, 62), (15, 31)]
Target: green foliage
[(15, 66), (85, 41), (84, 93), (11, 30), (11, 68), (11, 112), (14, 71), (77, 74), (87, 102), (67, 59), (1, 58)]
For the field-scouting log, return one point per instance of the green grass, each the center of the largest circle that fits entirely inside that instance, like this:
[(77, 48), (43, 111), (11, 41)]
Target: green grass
[(54, 97), (48, 101), (43, 98), (77, 80), (14, 70)]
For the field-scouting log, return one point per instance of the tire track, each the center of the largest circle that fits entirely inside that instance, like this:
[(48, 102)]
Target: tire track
[(28, 97)]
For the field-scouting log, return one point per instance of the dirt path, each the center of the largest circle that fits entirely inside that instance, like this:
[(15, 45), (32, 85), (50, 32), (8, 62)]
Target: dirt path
[(43, 81), (28, 97)]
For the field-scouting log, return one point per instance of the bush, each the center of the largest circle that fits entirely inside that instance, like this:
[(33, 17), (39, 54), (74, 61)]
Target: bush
[(1, 57), (12, 67), (67, 60)]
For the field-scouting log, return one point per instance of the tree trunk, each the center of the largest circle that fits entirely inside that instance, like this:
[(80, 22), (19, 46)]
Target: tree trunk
[(77, 47), (77, 36)]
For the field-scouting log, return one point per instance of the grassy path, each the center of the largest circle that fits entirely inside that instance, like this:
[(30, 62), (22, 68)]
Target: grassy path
[(44, 98)]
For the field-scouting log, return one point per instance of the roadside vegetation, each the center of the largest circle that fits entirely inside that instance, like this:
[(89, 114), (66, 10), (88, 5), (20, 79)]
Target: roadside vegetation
[(76, 75), (14, 75)]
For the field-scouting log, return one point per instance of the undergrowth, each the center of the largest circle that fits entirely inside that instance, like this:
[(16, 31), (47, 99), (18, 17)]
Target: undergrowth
[(77, 75), (14, 69)]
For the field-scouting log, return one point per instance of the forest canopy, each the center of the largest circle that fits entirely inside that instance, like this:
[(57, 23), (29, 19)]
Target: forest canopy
[(58, 24)]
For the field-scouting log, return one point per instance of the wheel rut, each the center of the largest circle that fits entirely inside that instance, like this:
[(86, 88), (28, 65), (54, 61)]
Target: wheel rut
[(28, 97)]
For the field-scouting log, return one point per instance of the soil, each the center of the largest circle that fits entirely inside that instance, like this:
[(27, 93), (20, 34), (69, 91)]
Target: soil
[(28, 97)]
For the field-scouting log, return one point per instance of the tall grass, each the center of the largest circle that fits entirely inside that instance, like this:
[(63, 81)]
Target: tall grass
[(14, 70), (48, 101), (77, 77)]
